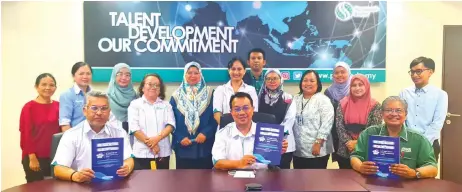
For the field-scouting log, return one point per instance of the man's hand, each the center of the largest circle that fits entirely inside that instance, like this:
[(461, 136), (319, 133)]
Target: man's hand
[(84, 175), (368, 168), (285, 144), (185, 142), (403, 171), (123, 171), (246, 161), (200, 138)]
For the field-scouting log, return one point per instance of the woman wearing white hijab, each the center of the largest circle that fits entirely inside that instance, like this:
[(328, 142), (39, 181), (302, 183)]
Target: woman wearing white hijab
[(194, 134), (273, 100), (339, 89)]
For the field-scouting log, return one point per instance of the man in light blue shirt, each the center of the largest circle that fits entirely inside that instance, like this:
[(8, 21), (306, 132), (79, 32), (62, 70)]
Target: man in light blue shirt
[(427, 104)]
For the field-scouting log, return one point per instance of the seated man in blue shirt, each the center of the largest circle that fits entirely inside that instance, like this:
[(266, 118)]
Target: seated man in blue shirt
[(428, 104), (72, 161), (233, 147)]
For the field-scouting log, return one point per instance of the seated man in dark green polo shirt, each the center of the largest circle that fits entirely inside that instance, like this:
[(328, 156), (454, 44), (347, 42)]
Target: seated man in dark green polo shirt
[(416, 157)]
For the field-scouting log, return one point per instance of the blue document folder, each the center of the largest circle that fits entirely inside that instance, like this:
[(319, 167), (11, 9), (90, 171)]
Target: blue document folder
[(106, 158), (384, 151), (268, 143)]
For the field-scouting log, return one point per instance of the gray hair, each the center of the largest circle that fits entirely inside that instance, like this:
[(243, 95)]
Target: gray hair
[(97, 94), (394, 98)]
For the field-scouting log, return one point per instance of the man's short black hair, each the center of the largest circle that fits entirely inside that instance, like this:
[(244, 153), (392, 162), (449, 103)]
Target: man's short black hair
[(427, 62), (240, 95), (256, 50)]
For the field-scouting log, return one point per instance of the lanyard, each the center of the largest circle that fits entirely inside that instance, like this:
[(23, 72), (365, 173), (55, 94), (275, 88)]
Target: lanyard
[(304, 105)]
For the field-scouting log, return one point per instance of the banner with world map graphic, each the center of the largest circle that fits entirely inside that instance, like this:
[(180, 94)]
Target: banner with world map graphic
[(162, 36)]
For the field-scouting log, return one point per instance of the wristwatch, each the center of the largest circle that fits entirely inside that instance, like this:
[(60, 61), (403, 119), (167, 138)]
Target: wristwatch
[(317, 142), (417, 174)]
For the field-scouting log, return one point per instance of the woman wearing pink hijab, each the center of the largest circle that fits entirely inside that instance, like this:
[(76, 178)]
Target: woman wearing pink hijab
[(356, 112)]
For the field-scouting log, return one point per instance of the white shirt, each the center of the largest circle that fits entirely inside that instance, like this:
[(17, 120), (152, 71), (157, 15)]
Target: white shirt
[(288, 123), (151, 119), (74, 149), (231, 144), (223, 94)]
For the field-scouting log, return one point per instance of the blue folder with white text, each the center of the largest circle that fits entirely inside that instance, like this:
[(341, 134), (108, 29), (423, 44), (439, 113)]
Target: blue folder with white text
[(106, 158), (384, 151), (268, 143)]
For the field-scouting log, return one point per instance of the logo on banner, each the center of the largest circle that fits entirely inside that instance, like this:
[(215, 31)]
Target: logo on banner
[(345, 11), (285, 75), (297, 75)]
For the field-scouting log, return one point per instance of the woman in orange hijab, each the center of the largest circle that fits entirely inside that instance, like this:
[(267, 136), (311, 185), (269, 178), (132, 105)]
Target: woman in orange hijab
[(355, 112)]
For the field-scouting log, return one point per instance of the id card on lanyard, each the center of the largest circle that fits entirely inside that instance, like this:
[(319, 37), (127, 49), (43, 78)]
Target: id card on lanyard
[(299, 117)]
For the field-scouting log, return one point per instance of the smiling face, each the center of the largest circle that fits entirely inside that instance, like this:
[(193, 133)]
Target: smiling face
[(151, 87), (83, 76), (309, 84), (420, 74), (242, 111), (237, 71), (340, 75), (46, 87), (394, 113), (123, 77), (193, 76), (357, 88), (272, 81)]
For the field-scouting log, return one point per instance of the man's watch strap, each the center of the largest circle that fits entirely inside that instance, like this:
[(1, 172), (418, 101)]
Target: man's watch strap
[(417, 174)]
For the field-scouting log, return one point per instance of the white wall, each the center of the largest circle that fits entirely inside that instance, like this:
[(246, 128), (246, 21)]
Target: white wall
[(48, 37)]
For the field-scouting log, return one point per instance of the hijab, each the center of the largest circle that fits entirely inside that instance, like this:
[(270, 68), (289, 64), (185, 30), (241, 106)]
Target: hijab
[(272, 96), (339, 90), (120, 97), (356, 110), (192, 100)]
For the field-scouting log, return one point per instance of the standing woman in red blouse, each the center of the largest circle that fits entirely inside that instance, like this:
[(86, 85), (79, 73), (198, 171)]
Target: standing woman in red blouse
[(38, 123)]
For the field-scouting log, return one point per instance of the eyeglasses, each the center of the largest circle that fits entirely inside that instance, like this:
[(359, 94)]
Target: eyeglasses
[(152, 85), (95, 108), (274, 79), (418, 71), (390, 111), (244, 108), (124, 74)]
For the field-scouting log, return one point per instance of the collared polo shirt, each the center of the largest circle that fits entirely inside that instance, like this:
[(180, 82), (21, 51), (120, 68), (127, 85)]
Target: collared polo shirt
[(74, 149), (415, 150)]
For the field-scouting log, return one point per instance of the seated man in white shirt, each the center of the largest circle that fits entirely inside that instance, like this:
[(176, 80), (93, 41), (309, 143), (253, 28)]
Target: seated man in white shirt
[(233, 147), (72, 161)]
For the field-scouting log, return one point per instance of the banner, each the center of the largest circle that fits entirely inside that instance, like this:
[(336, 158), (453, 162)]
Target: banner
[(163, 36)]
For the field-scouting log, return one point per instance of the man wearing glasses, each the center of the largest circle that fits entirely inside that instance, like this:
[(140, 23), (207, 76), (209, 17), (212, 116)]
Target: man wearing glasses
[(72, 161), (233, 147), (428, 104)]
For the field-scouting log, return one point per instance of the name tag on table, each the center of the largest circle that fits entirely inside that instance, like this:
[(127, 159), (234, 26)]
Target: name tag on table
[(384, 151), (244, 174)]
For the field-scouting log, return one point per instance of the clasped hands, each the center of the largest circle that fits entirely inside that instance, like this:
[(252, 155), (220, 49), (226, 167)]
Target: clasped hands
[(199, 139), (402, 170), (152, 143)]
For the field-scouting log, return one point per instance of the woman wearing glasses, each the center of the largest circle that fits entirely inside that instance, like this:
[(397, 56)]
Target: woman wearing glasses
[(120, 93), (195, 126), (313, 123), (356, 111), (273, 100), (151, 121), (223, 93), (37, 124)]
